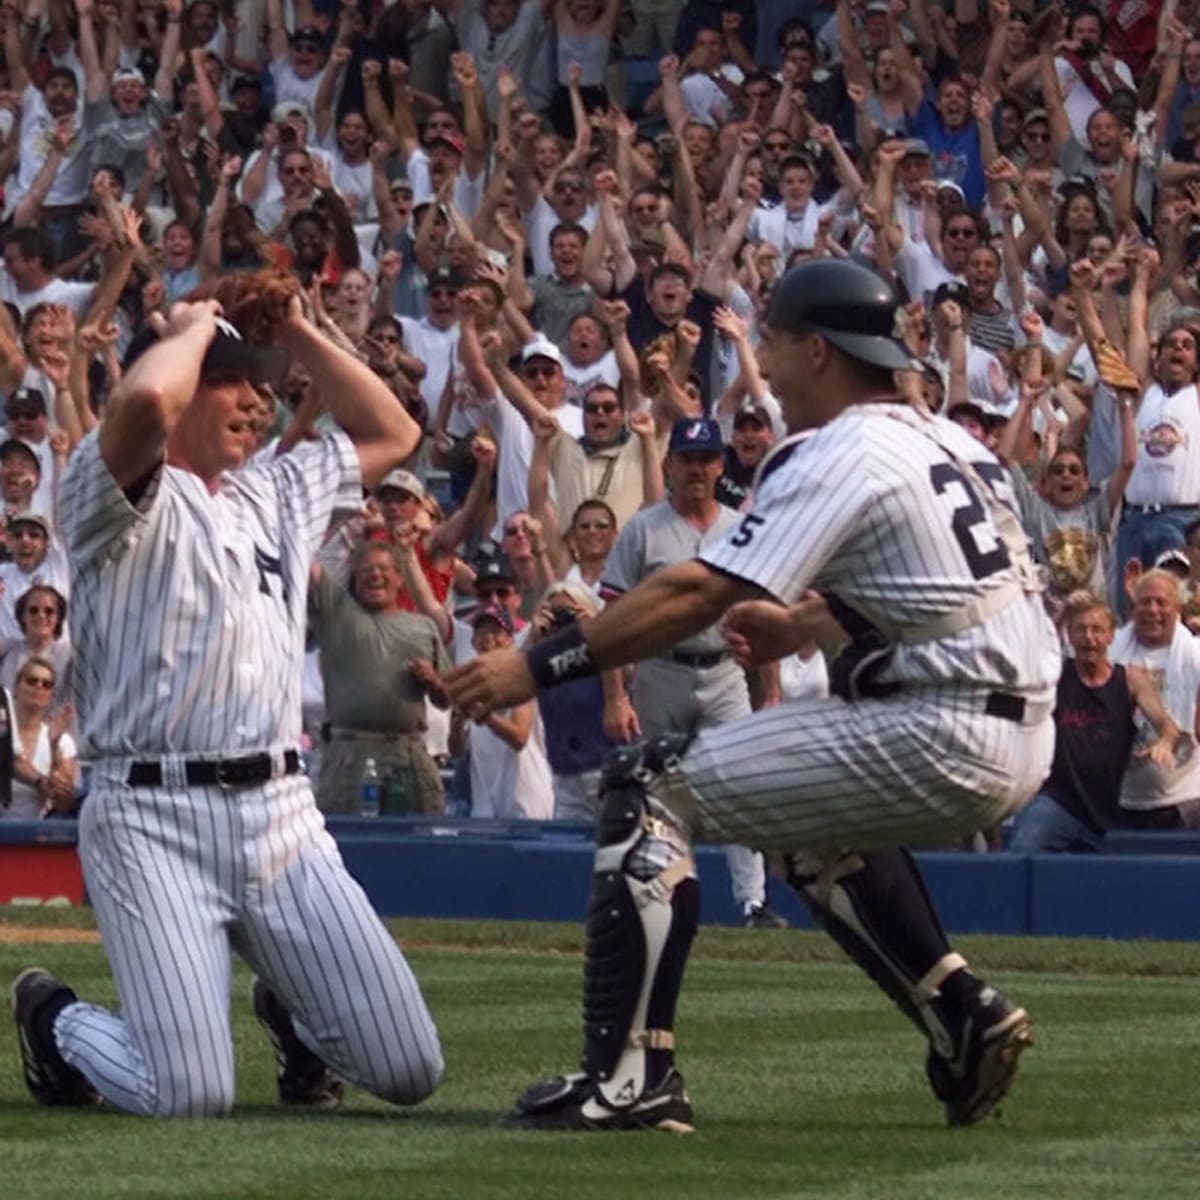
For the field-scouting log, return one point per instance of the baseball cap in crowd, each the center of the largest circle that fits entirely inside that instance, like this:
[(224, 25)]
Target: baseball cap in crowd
[(309, 34), (246, 81), (456, 143), (492, 612), (128, 75), (26, 402), (1175, 561), (15, 448), (1033, 116), (847, 304), (291, 108), (228, 354), (752, 412), (701, 436), (1058, 280), (403, 481), (949, 185), (915, 147), (30, 518), (879, 6), (493, 568), (541, 347), (951, 290), (401, 183), (443, 277)]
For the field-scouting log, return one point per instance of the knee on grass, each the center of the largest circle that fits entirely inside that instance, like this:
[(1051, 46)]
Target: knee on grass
[(412, 1079)]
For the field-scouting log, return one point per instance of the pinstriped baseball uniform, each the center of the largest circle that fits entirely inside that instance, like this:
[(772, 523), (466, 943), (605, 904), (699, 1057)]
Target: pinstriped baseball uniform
[(674, 697), (190, 637), (879, 518)]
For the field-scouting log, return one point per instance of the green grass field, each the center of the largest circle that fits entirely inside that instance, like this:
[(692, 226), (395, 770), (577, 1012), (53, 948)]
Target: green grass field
[(806, 1084)]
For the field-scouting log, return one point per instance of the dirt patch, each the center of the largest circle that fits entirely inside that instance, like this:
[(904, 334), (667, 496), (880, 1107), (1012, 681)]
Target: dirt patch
[(12, 934)]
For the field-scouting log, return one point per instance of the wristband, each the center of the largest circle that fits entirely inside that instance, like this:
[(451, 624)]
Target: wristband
[(560, 658)]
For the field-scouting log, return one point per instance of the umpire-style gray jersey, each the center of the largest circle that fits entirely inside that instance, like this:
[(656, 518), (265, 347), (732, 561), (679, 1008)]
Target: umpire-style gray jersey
[(659, 537), (189, 607), (879, 518)]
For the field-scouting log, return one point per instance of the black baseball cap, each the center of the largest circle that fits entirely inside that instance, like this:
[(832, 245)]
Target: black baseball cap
[(308, 33), (493, 568), (228, 354), (752, 412), (14, 447), (26, 400), (847, 304)]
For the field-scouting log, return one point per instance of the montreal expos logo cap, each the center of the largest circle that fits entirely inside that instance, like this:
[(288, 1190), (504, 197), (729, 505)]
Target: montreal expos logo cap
[(696, 437), (848, 305)]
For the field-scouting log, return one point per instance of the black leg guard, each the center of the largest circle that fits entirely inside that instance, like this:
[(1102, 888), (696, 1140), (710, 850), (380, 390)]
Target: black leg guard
[(642, 917), (876, 907)]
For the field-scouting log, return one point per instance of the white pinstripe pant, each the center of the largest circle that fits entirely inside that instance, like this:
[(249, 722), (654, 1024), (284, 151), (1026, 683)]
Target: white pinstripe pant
[(178, 879), (825, 776)]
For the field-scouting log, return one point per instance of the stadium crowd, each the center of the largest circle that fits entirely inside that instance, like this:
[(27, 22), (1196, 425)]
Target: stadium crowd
[(552, 227)]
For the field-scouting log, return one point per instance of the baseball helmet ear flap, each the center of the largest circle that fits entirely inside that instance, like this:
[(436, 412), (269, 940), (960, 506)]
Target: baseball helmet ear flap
[(848, 305)]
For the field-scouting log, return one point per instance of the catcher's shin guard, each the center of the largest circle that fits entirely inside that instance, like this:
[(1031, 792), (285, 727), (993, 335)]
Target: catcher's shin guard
[(877, 909), (642, 916)]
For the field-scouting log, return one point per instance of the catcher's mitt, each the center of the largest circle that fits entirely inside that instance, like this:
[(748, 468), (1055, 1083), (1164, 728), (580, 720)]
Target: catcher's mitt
[(1113, 369), (255, 302)]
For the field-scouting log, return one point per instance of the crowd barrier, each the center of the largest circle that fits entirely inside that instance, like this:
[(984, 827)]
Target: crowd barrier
[(1143, 886)]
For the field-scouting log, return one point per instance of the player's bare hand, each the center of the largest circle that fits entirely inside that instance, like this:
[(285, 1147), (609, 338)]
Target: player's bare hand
[(490, 682), (760, 631), (621, 723), (195, 318)]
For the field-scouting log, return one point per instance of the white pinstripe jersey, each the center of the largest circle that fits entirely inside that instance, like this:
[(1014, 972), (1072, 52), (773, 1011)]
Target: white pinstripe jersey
[(189, 607), (874, 514)]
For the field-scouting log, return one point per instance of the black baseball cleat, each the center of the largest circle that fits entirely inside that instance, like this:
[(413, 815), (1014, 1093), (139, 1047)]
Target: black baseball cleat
[(972, 1082), (571, 1103), (304, 1080), (37, 998), (763, 916)]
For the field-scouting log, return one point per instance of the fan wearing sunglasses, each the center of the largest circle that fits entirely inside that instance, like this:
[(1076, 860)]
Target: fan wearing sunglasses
[(618, 460), (42, 616), (45, 770)]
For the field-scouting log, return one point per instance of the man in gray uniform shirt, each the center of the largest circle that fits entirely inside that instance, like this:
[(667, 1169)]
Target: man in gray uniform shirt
[(377, 662), (696, 684)]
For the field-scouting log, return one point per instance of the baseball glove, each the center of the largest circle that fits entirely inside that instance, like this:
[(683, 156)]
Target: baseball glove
[(1113, 369), (255, 302)]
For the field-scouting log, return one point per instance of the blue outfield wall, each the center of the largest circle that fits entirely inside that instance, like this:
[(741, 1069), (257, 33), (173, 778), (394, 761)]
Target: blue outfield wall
[(1146, 886)]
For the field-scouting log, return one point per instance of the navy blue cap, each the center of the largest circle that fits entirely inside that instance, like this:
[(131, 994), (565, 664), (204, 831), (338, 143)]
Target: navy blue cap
[(702, 435)]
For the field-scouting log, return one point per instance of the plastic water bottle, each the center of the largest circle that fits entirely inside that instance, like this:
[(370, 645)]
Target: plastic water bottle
[(370, 790), (398, 795)]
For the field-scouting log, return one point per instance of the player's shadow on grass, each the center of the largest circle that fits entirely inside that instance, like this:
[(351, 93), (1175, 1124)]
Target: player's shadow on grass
[(481, 1118)]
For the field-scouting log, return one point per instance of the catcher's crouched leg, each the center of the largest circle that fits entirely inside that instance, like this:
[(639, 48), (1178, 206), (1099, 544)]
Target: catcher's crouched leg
[(641, 919), (876, 907)]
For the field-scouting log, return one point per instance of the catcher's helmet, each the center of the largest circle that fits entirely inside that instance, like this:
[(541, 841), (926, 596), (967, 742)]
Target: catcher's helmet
[(847, 304)]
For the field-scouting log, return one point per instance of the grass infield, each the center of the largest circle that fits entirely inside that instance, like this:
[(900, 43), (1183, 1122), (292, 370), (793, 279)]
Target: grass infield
[(806, 1084)]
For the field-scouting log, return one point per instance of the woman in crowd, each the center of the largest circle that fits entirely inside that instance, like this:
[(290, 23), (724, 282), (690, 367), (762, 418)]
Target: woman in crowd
[(45, 770), (42, 616)]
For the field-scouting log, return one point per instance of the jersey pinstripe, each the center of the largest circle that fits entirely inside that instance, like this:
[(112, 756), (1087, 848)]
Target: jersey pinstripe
[(189, 607), (875, 515)]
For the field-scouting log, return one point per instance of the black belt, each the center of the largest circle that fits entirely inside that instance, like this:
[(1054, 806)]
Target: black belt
[(1142, 509), (221, 772), (701, 661), (1005, 706)]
